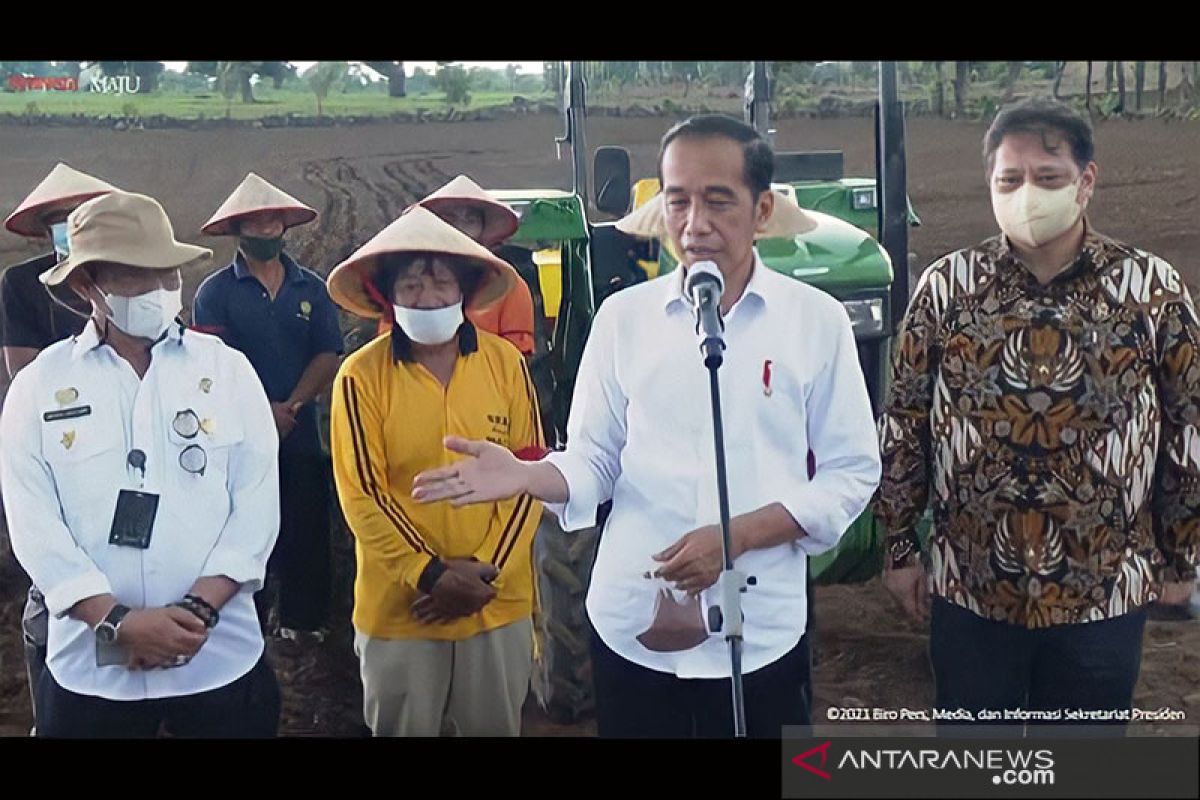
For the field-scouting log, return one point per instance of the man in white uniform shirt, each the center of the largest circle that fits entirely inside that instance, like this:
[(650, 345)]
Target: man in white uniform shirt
[(138, 462), (640, 433)]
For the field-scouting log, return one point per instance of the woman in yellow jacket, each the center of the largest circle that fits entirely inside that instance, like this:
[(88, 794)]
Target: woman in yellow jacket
[(443, 597)]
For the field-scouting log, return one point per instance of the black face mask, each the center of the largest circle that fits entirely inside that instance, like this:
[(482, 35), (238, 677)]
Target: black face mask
[(261, 249)]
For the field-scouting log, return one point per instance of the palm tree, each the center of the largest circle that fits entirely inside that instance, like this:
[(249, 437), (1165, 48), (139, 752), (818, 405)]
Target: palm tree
[(322, 77)]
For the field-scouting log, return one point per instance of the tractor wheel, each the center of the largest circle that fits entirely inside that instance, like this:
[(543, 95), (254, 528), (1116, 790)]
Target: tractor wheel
[(562, 675)]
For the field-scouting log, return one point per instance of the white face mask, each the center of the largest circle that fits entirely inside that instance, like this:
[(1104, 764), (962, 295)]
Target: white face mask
[(430, 325), (1033, 216), (146, 315)]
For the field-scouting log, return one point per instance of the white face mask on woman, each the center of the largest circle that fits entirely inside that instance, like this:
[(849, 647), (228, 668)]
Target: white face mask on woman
[(1033, 216), (430, 325), (145, 315)]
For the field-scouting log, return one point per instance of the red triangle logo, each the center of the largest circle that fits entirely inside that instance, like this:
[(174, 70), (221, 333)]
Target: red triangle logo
[(802, 760)]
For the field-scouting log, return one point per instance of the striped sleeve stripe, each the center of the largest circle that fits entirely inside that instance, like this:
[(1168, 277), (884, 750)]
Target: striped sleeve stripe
[(523, 500), (412, 526), (367, 477), (400, 520), (516, 531)]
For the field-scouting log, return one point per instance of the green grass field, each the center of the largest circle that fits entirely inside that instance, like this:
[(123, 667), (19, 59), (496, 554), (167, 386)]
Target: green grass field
[(213, 105)]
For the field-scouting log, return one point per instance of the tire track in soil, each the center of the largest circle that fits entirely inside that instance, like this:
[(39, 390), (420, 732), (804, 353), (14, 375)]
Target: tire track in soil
[(336, 222), (417, 177), (350, 176), (351, 197)]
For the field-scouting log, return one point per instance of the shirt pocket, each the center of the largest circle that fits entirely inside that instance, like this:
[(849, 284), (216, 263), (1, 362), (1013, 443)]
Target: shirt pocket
[(775, 395), (202, 460), (82, 453)]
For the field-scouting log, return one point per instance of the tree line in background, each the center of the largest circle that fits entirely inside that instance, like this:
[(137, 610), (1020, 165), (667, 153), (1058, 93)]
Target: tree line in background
[(239, 78), (945, 88)]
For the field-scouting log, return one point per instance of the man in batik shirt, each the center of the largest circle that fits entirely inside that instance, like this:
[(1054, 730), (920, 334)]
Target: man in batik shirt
[(1045, 404)]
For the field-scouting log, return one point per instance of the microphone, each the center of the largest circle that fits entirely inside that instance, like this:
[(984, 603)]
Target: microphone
[(703, 287)]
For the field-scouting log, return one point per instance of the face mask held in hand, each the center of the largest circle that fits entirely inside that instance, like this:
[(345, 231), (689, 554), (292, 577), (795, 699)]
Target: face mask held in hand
[(677, 625)]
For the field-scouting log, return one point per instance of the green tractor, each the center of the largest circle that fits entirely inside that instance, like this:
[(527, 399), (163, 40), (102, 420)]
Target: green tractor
[(572, 264)]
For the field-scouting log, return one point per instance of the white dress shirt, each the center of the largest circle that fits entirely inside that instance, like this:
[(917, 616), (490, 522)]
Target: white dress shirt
[(61, 471), (640, 432)]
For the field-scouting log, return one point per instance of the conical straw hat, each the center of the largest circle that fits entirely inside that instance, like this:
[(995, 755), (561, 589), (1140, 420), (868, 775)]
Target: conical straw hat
[(416, 231), (255, 194), (649, 220), (65, 187), (499, 221)]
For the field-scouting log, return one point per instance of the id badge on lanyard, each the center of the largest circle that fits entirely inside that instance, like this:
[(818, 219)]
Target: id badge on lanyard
[(133, 520)]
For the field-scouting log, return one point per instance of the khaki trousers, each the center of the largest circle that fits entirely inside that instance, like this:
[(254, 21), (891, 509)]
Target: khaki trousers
[(424, 687)]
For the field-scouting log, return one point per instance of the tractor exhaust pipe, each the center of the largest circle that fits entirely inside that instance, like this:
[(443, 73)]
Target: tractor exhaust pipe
[(892, 177), (574, 113), (757, 110)]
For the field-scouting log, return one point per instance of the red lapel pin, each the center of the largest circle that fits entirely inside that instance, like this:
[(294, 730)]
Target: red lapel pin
[(767, 378)]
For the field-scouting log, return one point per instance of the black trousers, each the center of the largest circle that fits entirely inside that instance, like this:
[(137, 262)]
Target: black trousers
[(983, 664), (301, 560), (248, 708), (633, 702)]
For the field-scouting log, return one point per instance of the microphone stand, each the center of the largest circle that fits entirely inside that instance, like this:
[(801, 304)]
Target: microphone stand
[(726, 616)]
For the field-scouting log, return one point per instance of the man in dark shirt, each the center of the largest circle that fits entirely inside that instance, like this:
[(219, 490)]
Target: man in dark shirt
[(31, 319), (280, 316), (1045, 402)]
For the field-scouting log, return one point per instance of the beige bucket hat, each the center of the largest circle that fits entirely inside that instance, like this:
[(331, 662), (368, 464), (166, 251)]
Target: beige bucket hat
[(416, 231), (787, 220), (123, 228), (252, 195), (65, 187), (499, 221)]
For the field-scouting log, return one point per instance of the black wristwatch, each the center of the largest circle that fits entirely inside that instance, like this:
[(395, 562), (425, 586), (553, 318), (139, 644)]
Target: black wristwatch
[(108, 628)]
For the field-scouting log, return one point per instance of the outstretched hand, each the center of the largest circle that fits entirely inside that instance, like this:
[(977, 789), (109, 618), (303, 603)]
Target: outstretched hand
[(487, 473)]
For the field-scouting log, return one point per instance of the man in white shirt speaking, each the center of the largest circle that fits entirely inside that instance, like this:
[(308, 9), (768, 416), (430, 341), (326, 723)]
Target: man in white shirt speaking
[(640, 433), (138, 465)]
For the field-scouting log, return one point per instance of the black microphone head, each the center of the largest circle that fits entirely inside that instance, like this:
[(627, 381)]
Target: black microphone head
[(703, 272)]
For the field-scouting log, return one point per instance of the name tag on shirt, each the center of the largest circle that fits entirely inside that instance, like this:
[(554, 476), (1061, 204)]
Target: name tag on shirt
[(66, 413), (133, 521)]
